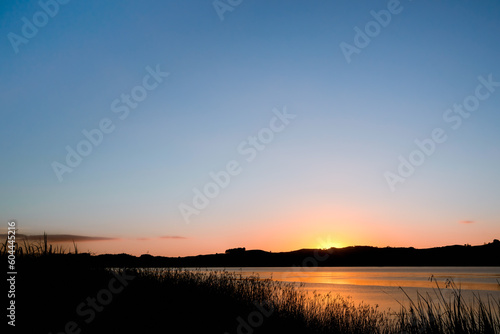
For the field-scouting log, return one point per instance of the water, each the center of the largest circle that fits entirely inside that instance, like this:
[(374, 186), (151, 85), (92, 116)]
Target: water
[(381, 285)]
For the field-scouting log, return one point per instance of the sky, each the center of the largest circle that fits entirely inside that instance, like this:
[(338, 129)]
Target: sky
[(180, 128)]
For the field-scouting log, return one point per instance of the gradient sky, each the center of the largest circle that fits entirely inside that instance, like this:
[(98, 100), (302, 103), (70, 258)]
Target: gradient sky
[(320, 182)]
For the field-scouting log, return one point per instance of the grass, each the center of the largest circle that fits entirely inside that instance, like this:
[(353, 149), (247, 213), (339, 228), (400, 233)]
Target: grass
[(338, 314), (454, 315), (35, 248), (52, 283)]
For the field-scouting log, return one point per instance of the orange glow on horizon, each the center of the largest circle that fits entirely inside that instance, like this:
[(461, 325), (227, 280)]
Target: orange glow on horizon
[(328, 245)]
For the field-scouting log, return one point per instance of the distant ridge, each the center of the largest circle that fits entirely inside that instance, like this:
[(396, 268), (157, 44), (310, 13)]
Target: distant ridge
[(466, 255)]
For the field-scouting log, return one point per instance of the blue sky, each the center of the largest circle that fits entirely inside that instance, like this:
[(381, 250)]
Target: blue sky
[(322, 176)]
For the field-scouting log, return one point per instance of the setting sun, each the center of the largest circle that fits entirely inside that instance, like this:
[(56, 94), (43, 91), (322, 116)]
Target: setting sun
[(328, 243)]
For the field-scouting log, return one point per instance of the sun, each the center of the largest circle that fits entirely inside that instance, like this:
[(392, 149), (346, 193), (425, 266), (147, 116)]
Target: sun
[(327, 243)]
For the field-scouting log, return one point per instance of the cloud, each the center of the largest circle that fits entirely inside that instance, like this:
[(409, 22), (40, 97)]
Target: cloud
[(172, 237), (467, 222), (59, 237), (76, 238)]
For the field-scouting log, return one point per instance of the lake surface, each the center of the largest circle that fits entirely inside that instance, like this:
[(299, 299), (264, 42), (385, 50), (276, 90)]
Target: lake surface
[(381, 285)]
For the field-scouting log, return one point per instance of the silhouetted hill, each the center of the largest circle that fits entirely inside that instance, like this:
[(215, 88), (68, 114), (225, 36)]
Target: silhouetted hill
[(484, 255)]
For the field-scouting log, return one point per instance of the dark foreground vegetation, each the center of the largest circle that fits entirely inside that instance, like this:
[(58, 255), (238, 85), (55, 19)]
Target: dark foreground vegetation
[(59, 292)]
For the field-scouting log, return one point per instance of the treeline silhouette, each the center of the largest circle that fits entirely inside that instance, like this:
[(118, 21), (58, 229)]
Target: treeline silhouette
[(466, 255)]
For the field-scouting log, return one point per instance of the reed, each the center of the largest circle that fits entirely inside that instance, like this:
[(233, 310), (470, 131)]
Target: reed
[(319, 313), (33, 248)]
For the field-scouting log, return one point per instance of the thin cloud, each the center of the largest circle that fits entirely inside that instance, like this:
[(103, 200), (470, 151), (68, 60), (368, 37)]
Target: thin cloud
[(60, 237), (467, 222), (172, 237)]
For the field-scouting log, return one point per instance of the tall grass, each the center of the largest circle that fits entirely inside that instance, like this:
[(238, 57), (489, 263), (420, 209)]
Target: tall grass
[(34, 248), (452, 315), (290, 304), (337, 314)]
